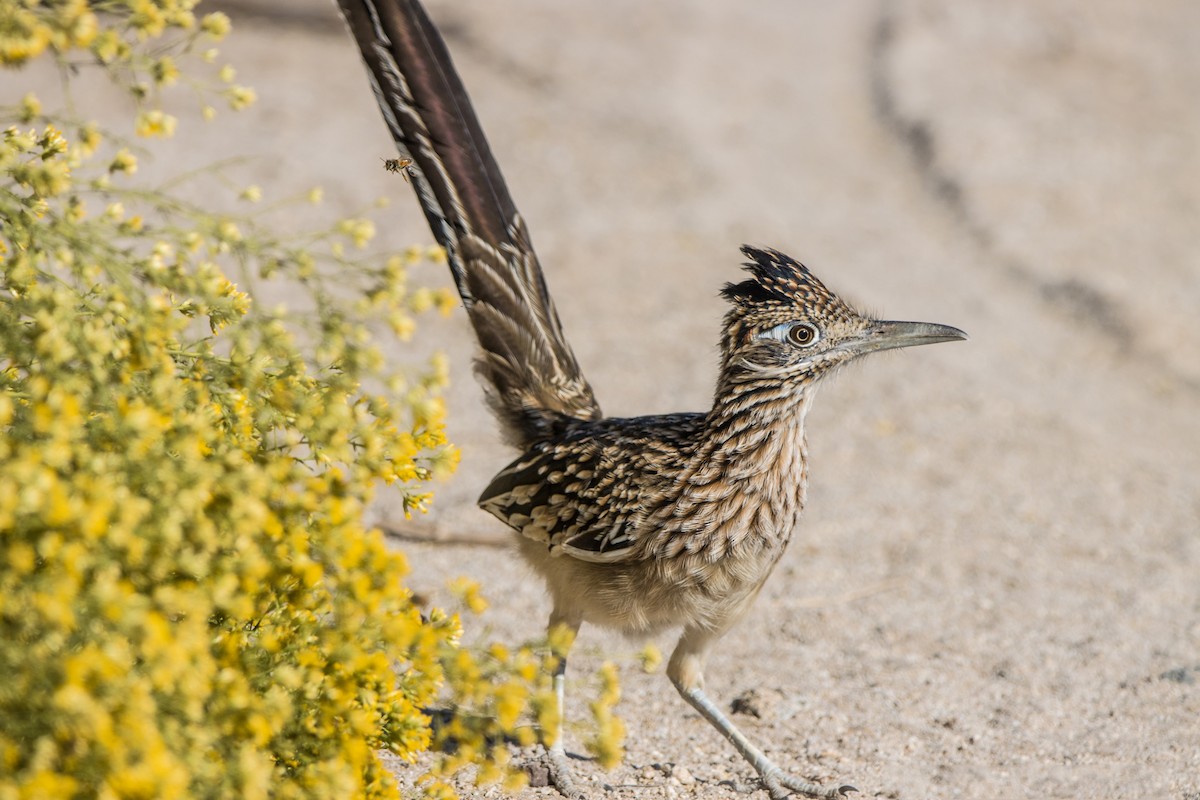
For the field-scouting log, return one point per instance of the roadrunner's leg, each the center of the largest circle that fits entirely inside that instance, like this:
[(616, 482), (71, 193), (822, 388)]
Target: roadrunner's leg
[(685, 670), (562, 633)]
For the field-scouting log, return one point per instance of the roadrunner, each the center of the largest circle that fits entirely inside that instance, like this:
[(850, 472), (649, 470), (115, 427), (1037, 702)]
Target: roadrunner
[(635, 524)]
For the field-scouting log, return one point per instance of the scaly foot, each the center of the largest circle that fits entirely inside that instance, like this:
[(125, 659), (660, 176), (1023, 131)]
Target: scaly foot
[(781, 786), (554, 769), (561, 774)]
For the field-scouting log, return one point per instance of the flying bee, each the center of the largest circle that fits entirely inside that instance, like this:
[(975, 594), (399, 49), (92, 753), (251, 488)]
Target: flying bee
[(400, 165)]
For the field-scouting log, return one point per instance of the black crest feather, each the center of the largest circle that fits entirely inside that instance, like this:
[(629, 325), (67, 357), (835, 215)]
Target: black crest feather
[(778, 278)]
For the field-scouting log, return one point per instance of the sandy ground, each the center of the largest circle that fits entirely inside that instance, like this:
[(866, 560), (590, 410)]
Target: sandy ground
[(995, 592)]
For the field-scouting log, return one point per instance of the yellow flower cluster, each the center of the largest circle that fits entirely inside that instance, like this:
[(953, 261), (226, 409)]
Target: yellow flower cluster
[(27, 29), (490, 693), (189, 602), (30, 28), (31, 159), (188, 598), (607, 740)]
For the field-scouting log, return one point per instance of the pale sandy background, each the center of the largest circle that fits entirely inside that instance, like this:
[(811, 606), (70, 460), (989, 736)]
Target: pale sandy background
[(996, 589)]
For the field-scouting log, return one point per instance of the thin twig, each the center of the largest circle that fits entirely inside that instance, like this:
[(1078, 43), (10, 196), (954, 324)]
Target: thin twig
[(428, 533)]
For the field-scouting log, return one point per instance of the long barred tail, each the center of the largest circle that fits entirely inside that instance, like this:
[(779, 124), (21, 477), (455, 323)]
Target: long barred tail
[(532, 380)]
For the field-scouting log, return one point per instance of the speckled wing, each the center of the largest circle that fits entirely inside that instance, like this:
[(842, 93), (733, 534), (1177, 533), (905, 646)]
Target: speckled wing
[(589, 495)]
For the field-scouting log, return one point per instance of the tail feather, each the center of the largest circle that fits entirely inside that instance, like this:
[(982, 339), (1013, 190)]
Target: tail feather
[(532, 380)]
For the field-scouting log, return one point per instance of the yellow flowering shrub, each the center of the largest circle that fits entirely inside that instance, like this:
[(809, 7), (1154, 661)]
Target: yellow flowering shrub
[(190, 605)]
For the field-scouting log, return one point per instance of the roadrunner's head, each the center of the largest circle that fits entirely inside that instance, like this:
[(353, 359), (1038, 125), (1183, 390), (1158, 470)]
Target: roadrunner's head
[(786, 326)]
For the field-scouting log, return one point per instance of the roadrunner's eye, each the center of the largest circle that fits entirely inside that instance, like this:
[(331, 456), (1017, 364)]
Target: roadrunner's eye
[(800, 334)]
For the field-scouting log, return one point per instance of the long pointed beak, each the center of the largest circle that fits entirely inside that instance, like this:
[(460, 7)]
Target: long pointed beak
[(889, 334)]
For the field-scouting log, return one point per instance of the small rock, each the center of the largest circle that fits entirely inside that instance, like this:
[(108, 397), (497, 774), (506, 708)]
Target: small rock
[(681, 774), (748, 703), (1181, 674), (538, 772)]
